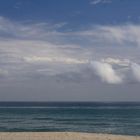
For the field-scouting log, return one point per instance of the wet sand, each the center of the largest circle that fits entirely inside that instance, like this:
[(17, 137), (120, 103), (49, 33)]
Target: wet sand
[(62, 136)]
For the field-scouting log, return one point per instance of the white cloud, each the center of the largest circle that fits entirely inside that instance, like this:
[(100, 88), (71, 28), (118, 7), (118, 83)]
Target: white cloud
[(94, 2), (122, 34), (116, 61), (111, 35), (55, 59), (136, 71), (29, 31), (106, 72)]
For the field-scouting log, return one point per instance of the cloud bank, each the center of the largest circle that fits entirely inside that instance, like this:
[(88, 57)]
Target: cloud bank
[(42, 50)]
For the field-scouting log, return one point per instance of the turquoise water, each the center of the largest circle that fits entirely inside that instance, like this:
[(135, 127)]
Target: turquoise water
[(114, 118)]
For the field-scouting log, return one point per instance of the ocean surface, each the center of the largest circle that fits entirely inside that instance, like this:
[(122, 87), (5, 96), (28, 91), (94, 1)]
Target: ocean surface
[(115, 118)]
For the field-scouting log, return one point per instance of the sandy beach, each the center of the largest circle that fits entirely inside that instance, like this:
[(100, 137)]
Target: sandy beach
[(62, 136)]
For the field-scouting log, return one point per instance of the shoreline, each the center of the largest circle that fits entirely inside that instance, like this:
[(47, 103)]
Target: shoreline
[(63, 136)]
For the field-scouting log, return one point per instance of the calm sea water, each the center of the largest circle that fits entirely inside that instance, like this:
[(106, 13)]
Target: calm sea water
[(114, 118)]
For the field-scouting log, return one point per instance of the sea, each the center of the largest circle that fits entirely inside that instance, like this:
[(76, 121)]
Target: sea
[(90, 117)]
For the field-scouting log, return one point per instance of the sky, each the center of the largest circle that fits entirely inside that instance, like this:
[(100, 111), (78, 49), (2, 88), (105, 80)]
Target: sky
[(69, 50)]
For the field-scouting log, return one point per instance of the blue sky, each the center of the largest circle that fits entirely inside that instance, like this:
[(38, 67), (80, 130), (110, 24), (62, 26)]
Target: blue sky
[(68, 50), (75, 13)]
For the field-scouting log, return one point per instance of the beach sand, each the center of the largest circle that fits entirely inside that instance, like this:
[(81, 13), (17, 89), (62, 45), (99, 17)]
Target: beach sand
[(62, 136)]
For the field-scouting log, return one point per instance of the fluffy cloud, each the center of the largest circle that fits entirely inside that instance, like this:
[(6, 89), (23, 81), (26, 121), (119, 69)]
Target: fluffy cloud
[(106, 72), (136, 71)]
